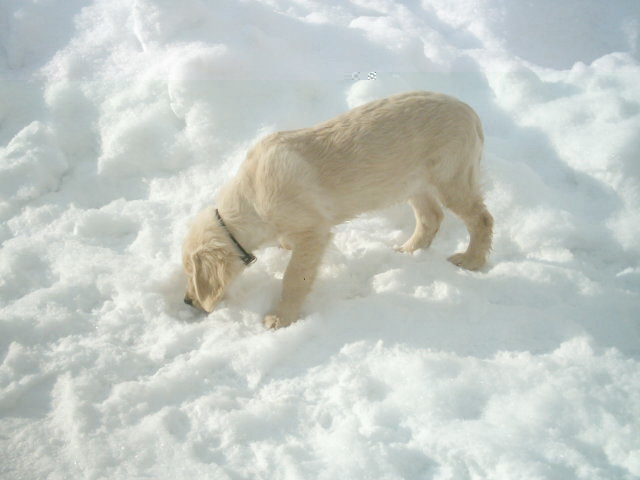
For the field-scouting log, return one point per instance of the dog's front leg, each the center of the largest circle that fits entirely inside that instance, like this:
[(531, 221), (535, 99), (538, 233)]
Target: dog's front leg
[(298, 277)]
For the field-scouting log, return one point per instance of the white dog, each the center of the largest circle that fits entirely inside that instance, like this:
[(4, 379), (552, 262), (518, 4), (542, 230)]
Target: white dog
[(295, 185)]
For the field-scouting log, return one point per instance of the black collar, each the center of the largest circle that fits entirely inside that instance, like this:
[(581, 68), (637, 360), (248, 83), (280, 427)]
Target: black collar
[(246, 257)]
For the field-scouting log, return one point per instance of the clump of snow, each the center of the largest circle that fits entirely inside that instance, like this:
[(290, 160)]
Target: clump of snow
[(32, 165), (119, 120)]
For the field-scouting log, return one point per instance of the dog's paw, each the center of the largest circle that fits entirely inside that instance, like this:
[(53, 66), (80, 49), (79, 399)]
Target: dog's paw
[(468, 262), (273, 321), (415, 243), (404, 249)]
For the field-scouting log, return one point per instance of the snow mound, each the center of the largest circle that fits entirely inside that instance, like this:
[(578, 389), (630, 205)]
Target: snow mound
[(119, 120)]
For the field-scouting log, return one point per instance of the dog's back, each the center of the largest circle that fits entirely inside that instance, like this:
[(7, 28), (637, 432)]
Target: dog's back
[(379, 153)]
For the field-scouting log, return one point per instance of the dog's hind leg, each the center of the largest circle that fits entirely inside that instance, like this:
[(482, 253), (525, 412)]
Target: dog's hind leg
[(428, 213), (479, 222), (308, 249)]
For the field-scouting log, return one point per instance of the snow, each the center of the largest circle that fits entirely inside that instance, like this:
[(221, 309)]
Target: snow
[(120, 119)]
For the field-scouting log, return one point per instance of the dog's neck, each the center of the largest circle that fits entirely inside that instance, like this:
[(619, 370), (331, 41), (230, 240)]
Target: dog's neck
[(242, 220)]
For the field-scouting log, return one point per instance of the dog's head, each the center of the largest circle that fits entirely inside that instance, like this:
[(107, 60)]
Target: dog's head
[(209, 262)]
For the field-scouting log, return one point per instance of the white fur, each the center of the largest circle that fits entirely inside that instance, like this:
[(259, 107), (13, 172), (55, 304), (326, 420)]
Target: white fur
[(419, 147)]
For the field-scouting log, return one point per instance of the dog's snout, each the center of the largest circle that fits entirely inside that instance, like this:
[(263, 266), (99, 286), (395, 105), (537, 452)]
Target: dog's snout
[(188, 301)]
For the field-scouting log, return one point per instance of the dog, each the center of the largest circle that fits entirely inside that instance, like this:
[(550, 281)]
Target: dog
[(420, 147)]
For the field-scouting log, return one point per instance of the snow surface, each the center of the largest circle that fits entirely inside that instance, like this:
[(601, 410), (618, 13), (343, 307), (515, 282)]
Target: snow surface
[(119, 120)]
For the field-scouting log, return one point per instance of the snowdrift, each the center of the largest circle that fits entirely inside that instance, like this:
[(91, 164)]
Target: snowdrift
[(120, 119)]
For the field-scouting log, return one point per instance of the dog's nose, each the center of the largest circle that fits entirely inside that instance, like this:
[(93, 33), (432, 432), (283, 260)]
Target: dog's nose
[(188, 301)]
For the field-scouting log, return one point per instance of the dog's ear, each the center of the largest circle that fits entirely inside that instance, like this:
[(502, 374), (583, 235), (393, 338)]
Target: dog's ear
[(209, 277)]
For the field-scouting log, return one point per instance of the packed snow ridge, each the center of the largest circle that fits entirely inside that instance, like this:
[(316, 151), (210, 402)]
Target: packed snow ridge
[(120, 119)]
